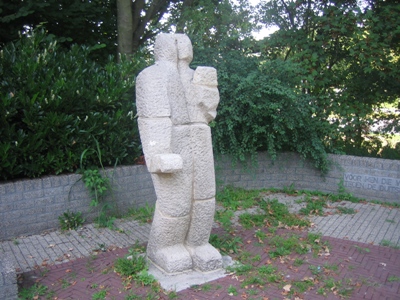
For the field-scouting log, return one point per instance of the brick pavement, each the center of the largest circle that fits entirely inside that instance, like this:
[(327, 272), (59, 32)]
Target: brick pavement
[(364, 268), (61, 257)]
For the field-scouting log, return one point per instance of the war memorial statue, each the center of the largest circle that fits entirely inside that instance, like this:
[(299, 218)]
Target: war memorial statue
[(174, 106)]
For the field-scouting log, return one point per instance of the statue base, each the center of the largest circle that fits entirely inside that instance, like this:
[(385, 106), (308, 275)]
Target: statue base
[(184, 280)]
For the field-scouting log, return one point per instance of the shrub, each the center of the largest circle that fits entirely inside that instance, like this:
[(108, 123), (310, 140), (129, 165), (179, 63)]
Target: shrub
[(262, 109), (57, 102)]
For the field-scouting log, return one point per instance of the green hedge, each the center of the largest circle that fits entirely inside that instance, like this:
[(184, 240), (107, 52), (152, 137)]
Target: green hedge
[(58, 103)]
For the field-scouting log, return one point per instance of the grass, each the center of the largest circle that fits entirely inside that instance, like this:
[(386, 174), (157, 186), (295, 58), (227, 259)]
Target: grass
[(33, 292), (387, 243), (142, 214), (393, 278), (362, 250)]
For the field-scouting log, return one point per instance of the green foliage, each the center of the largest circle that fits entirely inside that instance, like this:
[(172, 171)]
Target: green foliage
[(315, 206), (227, 244), (350, 60), (96, 183), (235, 198), (58, 104), (71, 220), (134, 266), (143, 214), (261, 109), (34, 292), (285, 245), (100, 295), (278, 214)]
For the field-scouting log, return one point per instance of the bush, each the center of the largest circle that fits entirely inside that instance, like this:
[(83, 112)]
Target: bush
[(57, 102), (263, 109)]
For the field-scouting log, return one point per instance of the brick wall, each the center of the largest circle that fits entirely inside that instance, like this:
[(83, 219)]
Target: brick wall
[(33, 206)]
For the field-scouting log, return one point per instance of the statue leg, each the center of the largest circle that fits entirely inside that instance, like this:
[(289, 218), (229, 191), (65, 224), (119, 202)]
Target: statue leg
[(166, 246), (205, 256)]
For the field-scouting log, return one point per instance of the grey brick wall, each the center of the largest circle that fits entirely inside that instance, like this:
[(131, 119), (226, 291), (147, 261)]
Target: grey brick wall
[(33, 206), (367, 178)]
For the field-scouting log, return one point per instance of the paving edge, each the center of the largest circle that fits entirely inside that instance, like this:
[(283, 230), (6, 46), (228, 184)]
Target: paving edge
[(8, 280)]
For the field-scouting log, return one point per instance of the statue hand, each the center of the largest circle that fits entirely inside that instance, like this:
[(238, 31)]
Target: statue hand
[(165, 163)]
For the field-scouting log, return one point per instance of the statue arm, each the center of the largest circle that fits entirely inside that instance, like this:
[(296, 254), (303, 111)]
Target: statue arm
[(155, 123)]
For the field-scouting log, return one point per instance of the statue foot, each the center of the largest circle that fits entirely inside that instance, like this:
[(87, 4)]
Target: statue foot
[(206, 258), (173, 259)]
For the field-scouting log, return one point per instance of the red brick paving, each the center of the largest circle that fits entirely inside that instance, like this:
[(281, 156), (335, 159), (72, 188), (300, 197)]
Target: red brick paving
[(364, 268)]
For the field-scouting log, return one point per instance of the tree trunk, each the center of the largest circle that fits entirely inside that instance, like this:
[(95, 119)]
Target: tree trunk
[(125, 27)]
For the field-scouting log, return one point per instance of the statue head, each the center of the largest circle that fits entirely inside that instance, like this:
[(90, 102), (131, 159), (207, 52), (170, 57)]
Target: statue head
[(185, 49), (165, 48)]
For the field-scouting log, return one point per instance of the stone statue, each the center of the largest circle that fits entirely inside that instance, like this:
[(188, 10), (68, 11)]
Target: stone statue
[(175, 105)]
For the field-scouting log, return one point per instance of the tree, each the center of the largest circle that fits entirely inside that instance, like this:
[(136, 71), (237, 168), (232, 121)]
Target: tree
[(84, 22), (87, 22), (350, 55), (261, 107), (125, 26)]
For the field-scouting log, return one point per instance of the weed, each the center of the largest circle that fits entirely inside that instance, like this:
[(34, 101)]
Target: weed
[(137, 248), (290, 190), (362, 250), (240, 269), (298, 262), (65, 283), (277, 214), (172, 295), (43, 272), (252, 280), (98, 185), (15, 242), (131, 296), (346, 210), (274, 278), (390, 221), (226, 244), (331, 267), (314, 206), (130, 266), (249, 220), (100, 295), (252, 292), (321, 291), (260, 235), (144, 278), (224, 217), (267, 270), (94, 286), (387, 243), (206, 287), (303, 285), (393, 278), (256, 258), (33, 292), (329, 283), (345, 291), (285, 246), (143, 214), (235, 198), (71, 220), (232, 290), (315, 270)]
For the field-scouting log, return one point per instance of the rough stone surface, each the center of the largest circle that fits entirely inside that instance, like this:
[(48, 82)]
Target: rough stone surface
[(175, 105), (8, 279)]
